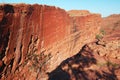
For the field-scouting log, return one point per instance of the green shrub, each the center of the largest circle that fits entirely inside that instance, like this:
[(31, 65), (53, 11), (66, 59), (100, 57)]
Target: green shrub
[(102, 32), (112, 64), (98, 36), (108, 63)]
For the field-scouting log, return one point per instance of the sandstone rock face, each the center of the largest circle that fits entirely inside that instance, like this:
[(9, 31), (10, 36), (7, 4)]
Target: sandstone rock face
[(78, 12), (35, 39), (98, 60), (111, 25)]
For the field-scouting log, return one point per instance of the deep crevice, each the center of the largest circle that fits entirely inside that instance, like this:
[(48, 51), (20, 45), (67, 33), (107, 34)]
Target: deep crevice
[(20, 54), (14, 49), (3, 42), (30, 41), (4, 21), (11, 63), (1, 69)]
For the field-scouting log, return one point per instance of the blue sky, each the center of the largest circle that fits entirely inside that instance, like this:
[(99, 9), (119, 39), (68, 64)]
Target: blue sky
[(105, 7)]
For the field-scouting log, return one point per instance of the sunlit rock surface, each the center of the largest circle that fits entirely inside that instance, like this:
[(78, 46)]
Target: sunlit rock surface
[(35, 39)]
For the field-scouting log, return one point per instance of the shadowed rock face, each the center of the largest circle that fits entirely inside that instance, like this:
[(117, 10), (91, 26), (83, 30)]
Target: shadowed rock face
[(89, 64), (35, 39)]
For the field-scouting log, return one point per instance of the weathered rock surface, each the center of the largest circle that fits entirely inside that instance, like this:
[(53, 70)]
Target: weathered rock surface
[(111, 25), (35, 39), (89, 64), (98, 60)]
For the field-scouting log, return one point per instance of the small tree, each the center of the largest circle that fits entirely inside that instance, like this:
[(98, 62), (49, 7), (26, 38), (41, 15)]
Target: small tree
[(98, 36), (101, 34)]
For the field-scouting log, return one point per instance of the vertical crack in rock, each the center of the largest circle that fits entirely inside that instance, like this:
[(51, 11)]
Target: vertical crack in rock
[(28, 51), (20, 54), (41, 26), (18, 51), (4, 43)]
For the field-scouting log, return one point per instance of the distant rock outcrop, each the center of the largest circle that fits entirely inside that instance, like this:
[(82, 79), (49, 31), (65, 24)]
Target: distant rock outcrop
[(78, 12), (111, 24), (35, 39)]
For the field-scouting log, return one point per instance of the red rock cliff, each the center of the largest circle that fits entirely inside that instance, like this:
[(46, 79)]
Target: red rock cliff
[(35, 39)]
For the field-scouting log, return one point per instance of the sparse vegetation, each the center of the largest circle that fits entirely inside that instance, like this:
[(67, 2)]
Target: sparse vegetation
[(101, 34), (114, 65), (102, 31), (37, 61), (108, 63), (98, 36)]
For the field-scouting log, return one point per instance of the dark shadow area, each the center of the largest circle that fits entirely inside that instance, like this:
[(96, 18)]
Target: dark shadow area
[(8, 9), (4, 34), (77, 68), (59, 74), (3, 45)]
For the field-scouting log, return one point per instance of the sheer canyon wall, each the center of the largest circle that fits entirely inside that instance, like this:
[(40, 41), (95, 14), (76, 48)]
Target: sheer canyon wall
[(35, 39)]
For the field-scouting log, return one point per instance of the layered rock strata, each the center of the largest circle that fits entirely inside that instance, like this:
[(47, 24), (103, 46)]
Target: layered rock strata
[(35, 39)]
